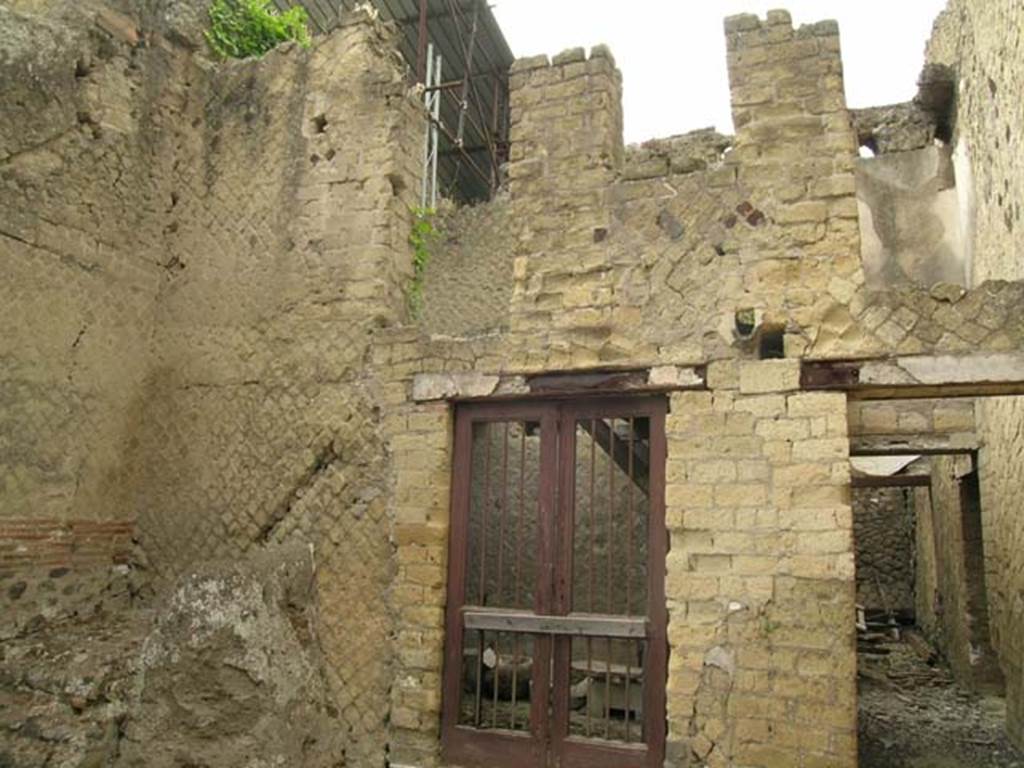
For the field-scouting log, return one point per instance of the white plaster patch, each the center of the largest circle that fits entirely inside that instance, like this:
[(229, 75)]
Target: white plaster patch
[(722, 658)]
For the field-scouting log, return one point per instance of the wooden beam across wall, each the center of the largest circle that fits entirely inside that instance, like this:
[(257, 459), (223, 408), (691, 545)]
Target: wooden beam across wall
[(891, 481), (982, 374), (934, 444)]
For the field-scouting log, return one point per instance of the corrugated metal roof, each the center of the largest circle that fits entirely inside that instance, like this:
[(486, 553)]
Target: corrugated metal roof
[(448, 27)]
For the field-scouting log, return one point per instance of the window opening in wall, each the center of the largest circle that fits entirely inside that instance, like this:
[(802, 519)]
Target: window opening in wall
[(868, 149), (771, 343), (556, 651)]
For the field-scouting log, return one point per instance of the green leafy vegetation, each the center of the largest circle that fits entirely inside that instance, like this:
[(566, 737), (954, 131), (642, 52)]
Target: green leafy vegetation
[(243, 28), (422, 237)]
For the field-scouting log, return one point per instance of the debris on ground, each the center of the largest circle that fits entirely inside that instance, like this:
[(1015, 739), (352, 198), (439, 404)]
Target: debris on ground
[(913, 714)]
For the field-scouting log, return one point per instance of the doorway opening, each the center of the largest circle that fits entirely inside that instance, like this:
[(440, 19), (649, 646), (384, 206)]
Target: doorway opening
[(555, 648), (930, 678)]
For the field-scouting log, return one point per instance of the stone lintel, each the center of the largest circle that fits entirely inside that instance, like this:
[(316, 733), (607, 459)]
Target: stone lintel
[(472, 386)]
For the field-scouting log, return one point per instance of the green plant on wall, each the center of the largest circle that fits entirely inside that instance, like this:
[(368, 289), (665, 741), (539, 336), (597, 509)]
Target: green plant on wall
[(243, 28), (422, 237)]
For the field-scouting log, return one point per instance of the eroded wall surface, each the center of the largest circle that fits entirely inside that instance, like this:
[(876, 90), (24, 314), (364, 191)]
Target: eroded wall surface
[(982, 42), (82, 171), (291, 217), (199, 255)]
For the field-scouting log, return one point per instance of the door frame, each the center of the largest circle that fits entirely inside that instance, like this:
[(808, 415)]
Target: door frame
[(548, 743)]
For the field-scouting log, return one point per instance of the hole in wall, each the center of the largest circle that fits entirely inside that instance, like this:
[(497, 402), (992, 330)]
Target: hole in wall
[(320, 123), (600, 234), (329, 155), (746, 321), (771, 345), (868, 148), (81, 69), (398, 185)]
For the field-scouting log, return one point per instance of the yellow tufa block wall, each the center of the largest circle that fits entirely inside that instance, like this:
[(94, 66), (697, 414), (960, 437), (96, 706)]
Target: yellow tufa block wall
[(760, 578), (981, 42)]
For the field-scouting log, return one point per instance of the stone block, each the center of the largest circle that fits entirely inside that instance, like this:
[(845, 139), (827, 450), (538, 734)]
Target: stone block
[(530, 63), (569, 56), (763, 376), (440, 386)]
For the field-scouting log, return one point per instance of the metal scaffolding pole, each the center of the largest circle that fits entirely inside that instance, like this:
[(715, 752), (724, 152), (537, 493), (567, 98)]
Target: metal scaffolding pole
[(432, 102)]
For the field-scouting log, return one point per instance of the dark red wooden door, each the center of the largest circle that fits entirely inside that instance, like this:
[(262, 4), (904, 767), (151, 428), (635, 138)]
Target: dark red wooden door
[(555, 648)]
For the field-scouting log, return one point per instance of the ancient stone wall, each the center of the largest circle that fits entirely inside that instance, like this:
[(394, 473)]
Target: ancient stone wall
[(81, 166), (662, 260), (883, 535), (920, 424), (758, 513), (982, 43), (999, 467), (292, 241), (958, 617), (256, 232), (201, 255), (468, 284)]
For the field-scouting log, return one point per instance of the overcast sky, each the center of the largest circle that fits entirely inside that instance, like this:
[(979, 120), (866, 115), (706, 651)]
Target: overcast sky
[(672, 52)]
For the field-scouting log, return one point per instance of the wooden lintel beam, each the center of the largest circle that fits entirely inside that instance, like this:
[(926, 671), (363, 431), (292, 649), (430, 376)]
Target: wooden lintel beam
[(913, 445), (838, 375), (608, 381), (981, 374), (937, 391), (891, 481)]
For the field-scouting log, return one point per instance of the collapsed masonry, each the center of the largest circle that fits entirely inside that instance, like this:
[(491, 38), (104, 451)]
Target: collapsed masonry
[(209, 353)]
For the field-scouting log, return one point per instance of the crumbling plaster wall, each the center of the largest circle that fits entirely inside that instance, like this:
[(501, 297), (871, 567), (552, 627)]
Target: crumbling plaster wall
[(910, 219), (982, 42), (201, 255)]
